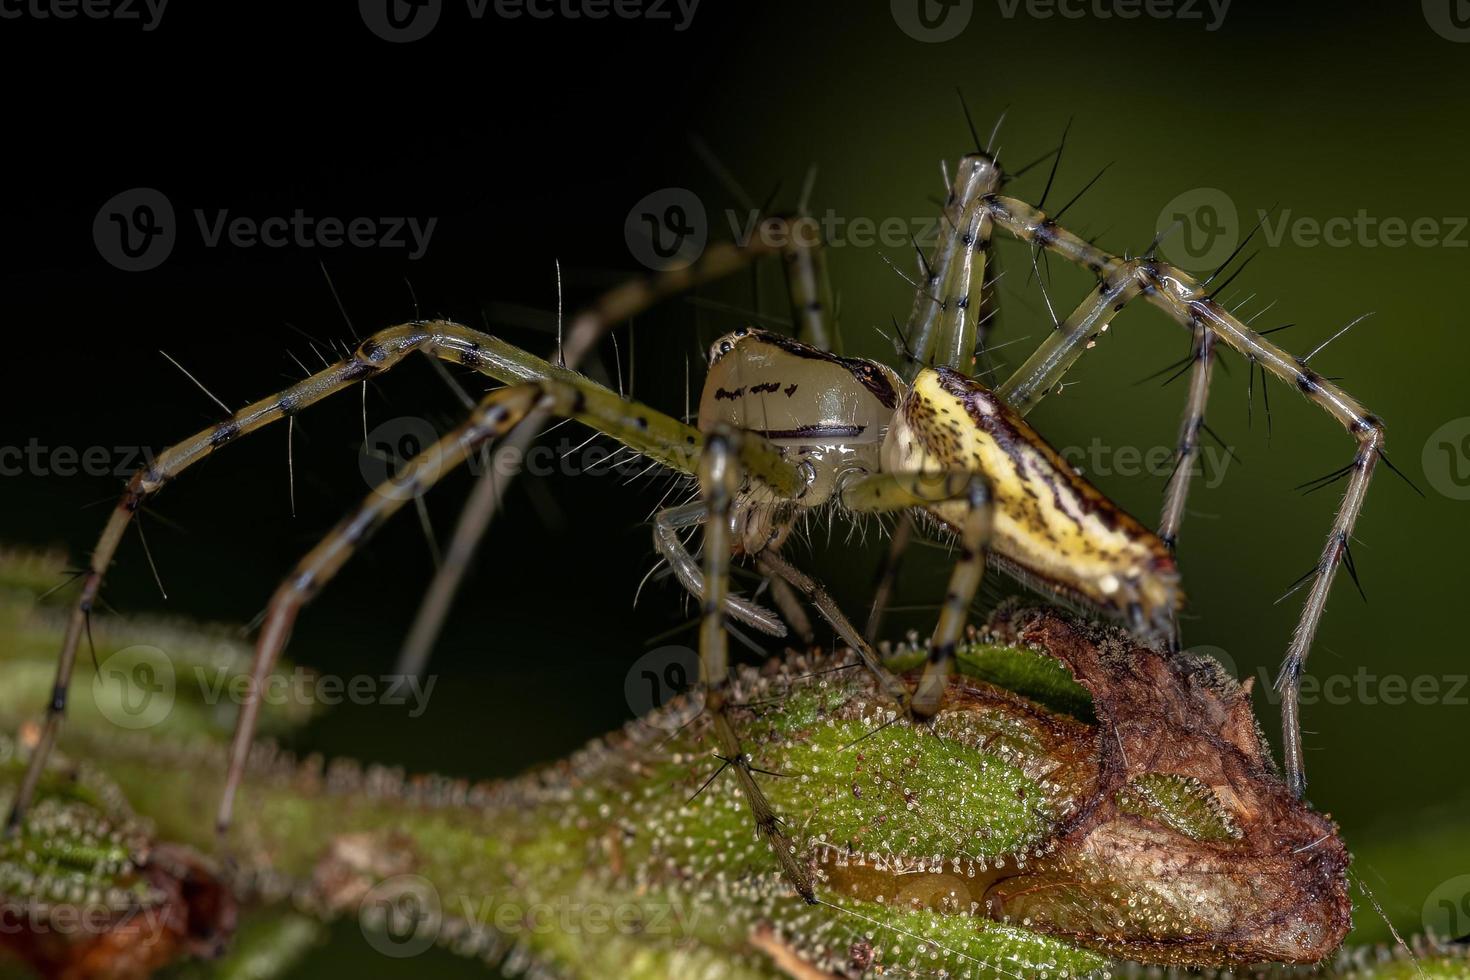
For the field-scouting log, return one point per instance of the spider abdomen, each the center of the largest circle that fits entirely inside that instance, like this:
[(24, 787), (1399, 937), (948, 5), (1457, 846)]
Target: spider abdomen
[(1049, 522)]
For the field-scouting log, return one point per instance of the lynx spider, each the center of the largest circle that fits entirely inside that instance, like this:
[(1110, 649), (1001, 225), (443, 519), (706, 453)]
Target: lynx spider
[(753, 481)]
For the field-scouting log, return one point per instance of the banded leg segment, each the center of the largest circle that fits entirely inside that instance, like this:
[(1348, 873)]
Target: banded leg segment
[(1189, 302), (719, 481), (940, 290), (666, 440), (1059, 351), (584, 332), (1190, 427), (903, 491), (771, 563), (809, 286), (666, 527), (1185, 454), (959, 325), (500, 412)]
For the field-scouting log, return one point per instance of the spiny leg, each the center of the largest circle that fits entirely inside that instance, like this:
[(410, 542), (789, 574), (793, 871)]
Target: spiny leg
[(498, 413), (719, 481), (903, 530), (665, 440), (1191, 304), (939, 289), (903, 491), (959, 325), (772, 235), (667, 524), (786, 600), (1190, 427), (808, 285), (771, 563)]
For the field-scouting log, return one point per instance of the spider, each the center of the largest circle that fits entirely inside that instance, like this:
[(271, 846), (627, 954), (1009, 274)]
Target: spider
[(784, 426)]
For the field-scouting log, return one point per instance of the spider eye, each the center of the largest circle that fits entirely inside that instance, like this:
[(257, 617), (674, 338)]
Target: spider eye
[(726, 347)]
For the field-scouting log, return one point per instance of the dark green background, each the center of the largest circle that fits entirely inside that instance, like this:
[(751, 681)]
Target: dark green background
[(530, 141)]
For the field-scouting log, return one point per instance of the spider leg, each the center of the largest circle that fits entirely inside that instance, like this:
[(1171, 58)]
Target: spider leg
[(498, 413), (903, 491), (809, 287), (810, 296), (719, 480), (1191, 304), (659, 437), (1190, 426), (964, 292), (1036, 378), (888, 575), (773, 564), (666, 527), (938, 327), (786, 600)]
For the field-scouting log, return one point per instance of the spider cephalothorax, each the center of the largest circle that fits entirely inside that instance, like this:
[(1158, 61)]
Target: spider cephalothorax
[(842, 419)]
